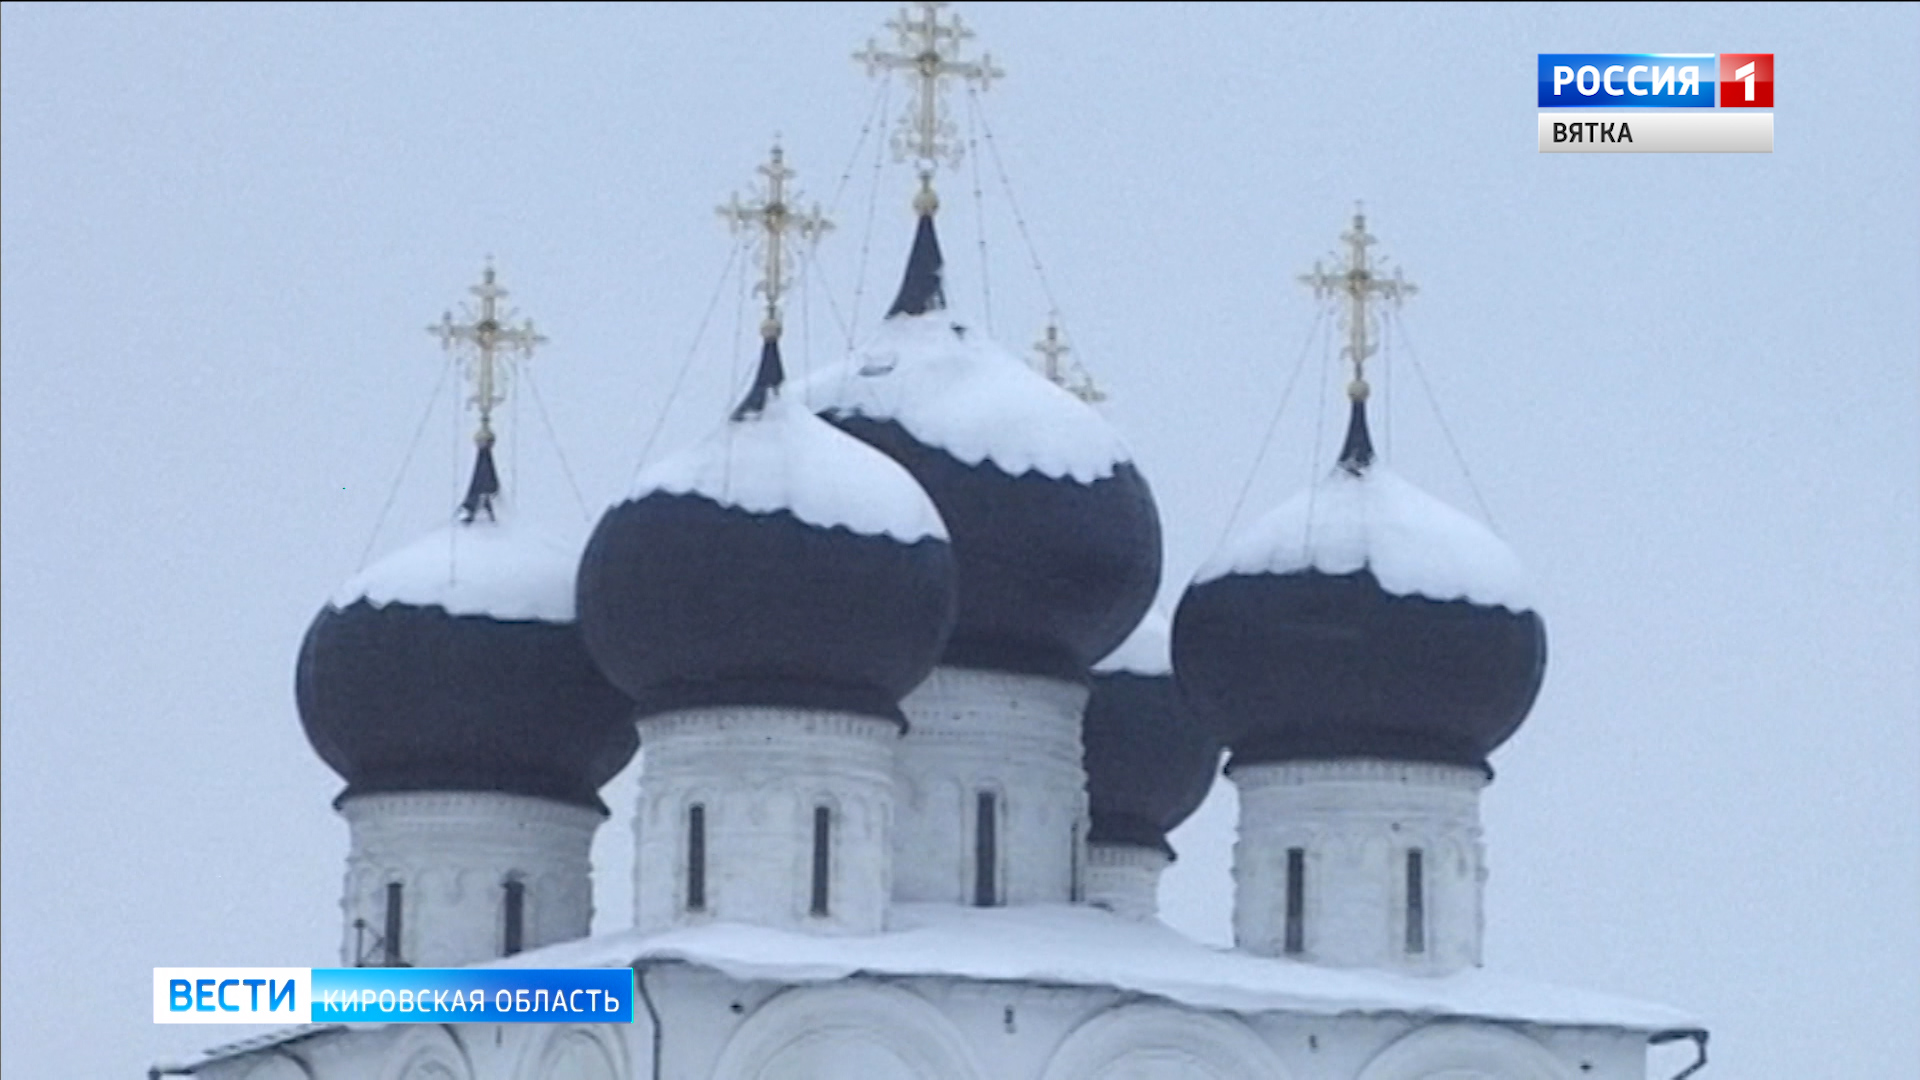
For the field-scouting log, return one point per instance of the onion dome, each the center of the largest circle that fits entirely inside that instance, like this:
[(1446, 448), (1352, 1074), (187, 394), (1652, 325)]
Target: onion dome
[(1362, 618), (1055, 535), (777, 563), (455, 664), (1149, 763)]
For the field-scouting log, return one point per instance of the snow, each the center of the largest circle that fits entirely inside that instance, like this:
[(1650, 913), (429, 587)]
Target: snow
[(1147, 651), (785, 458), (1415, 544), (500, 569), (1084, 946), (964, 394)]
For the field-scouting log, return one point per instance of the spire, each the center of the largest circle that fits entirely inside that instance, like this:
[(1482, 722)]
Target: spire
[(771, 217), (490, 341), (1068, 375), (921, 290), (1357, 284), (929, 51)]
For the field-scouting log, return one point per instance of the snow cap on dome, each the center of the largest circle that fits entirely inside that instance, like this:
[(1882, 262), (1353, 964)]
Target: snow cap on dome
[(953, 388), (774, 456), (498, 568)]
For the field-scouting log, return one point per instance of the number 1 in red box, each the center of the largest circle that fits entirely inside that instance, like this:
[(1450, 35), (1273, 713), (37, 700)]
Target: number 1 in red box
[(1746, 80)]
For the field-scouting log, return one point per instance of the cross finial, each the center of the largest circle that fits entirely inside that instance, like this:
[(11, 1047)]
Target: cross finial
[(772, 215), (490, 340), (1066, 374), (929, 50), (1358, 283)]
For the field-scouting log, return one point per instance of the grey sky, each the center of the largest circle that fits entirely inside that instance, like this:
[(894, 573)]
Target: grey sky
[(1686, 386)]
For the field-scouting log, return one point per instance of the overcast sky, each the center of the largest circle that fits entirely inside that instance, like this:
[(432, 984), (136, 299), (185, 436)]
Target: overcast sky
[(1686, 386)]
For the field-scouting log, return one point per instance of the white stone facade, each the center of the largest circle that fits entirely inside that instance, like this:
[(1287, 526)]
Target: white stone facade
[(1125, 879), (1016, 739), (936, 1028), (453, 854), (1390, 855), (757, 779)]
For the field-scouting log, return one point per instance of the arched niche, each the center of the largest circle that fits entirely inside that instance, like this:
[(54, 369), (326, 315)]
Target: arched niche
[(1454, 1050), (1163, 1042), (279, 1064), (427, 1052), (574, 1052), (862, 1031)]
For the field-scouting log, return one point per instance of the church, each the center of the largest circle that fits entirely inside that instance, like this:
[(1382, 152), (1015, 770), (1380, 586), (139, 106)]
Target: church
[(912, 737)]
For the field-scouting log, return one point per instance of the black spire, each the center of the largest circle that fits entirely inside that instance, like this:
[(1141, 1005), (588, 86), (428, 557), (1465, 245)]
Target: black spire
[(920, 290), (484, 485), (1357, 454), (768, 379)]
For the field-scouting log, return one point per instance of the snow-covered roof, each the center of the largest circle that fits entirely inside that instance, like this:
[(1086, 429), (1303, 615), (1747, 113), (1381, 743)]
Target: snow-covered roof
[(1084, 946), (1147, 651), (500, 569), (785, 458), (953, 388), (1415, 544)]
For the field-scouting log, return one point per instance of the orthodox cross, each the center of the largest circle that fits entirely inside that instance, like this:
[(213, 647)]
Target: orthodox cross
[(929, 50), (1358, 283), (1067, 375), (491, 341), (771, 216)]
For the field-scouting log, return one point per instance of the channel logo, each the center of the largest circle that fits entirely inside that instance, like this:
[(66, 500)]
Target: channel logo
[(391, 995), (1655, 80), (1655, 103), (1746, 80)]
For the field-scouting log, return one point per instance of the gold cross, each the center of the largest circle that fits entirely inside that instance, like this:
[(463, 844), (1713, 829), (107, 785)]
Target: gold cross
[(493, 341), (772, 215), (1358, 283), (1069, 376), (930, 51)]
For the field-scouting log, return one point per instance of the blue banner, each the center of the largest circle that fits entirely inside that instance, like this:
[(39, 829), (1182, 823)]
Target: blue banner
[(488, 995), (1627, 80)]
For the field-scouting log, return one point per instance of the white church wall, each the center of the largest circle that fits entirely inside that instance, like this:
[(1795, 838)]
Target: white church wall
[(1356, 823), (758, 775), (452, 854), (938, 1028), (1125, 879), (1016, 737)]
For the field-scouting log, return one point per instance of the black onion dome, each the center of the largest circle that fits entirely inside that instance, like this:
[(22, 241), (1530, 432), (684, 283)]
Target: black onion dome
[(1055, 534), (455, 665), (1149, 762), (1361, 619), (778, 563)]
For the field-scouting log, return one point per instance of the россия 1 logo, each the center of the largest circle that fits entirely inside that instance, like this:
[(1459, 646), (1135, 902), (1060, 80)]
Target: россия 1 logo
[(1676, 100)]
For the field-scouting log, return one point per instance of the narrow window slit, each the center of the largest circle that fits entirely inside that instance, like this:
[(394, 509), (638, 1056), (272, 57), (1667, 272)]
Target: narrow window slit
[(822, 840), (390, 938), (697, 857), (986, 842), (1296, 941), (515, 909), (1416, 902)]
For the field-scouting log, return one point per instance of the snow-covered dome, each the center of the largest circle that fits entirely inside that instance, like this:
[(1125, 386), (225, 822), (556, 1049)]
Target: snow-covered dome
[(455, 664), (778, 562), (1149, 763), (1362, 618), (1055, 533)]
